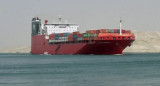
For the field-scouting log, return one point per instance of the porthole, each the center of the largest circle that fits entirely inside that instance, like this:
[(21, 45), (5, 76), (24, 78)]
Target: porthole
[(128, 38), (123, 38), (114, 38)]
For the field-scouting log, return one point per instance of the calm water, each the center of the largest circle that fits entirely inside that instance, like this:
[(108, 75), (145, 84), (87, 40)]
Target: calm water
[(80, 70)]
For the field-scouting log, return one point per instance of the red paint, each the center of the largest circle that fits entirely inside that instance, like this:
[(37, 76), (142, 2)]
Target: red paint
[(102, 45), (61, 35), (115, 30), (91, 31), (103, 31), (46, 21)]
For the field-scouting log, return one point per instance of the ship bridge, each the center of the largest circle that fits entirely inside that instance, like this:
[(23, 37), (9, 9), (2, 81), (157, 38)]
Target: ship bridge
[(60, 28)]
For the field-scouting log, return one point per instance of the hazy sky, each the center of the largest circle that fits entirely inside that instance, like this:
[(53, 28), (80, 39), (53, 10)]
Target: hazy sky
[(16, 15)]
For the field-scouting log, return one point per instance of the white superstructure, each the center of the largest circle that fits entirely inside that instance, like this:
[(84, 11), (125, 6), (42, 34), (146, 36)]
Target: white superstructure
[(60, 28), (57, 28)]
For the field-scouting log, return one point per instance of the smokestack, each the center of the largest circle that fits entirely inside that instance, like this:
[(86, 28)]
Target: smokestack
[(46, 21)]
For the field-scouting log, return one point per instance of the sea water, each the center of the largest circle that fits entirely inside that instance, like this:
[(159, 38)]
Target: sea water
[(80, 70)]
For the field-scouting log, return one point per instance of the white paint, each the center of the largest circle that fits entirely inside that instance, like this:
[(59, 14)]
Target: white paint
[(46, 37), (120, 27), (61, 28)]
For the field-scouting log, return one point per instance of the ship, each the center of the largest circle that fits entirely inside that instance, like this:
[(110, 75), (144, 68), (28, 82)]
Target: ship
[(65, 38)]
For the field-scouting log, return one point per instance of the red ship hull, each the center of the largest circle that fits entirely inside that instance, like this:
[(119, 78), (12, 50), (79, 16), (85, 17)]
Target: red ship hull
[(40, 45)]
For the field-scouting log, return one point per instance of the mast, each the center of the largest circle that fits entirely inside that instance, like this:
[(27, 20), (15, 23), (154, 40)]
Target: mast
[(60, 18), (120, 26)]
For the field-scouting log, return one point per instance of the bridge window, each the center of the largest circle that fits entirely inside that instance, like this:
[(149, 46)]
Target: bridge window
[(114, 38), (107, 38), (123, 38), (128, 38)]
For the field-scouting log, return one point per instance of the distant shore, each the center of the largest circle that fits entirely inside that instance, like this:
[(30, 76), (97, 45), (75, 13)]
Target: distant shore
[(146, 42)]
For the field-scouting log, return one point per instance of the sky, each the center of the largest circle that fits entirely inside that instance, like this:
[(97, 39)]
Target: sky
[(16, 15)]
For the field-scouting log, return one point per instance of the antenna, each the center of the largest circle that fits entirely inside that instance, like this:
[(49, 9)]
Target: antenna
[(60, 18), (120, 26)]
